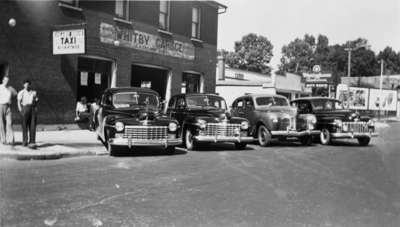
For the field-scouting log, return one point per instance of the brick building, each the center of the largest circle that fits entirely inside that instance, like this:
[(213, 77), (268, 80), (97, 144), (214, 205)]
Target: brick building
[(75, 48)]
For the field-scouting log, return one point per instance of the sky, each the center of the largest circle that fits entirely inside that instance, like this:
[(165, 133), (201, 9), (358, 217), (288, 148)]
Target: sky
[(281, 21)]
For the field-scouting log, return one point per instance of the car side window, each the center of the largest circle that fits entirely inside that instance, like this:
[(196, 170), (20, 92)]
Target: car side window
[(180, 103), (171, 103), (249, 104), (240, 104), (304, 107)]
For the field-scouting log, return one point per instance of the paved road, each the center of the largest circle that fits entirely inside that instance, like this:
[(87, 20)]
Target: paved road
[(283, 185)]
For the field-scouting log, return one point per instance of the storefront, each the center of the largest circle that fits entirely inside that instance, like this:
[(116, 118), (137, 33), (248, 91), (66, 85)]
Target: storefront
[(82, 49)]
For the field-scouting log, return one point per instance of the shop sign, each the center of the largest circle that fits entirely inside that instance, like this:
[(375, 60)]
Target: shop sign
[(135, 39), (317, 78), (69, 41), (386, 99)]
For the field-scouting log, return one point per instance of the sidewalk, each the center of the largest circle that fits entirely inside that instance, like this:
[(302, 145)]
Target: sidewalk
[(54, 145)]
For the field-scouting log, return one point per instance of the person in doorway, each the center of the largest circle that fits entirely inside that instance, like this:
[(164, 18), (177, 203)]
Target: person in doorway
[(93, 111), (82, 110), (6, 94), (27, 106)]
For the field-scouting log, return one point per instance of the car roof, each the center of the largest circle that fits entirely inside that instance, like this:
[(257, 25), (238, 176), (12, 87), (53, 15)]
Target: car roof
[(130, 89), (196, 94), (314, 98), (256, 95)]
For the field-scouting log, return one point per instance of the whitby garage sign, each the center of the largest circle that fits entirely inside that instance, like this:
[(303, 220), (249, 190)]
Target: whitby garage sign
[(69, 41), (144, 41)]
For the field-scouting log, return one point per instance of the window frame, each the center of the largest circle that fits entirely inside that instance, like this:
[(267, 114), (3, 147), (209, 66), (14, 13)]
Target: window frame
[(166, 15), (198, 23), (125, 9)]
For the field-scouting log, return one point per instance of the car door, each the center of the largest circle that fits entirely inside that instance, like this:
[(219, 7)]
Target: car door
[(179, 110), (248, 112), (238, 108)]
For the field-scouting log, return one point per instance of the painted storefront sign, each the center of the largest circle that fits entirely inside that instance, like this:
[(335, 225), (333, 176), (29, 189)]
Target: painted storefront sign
[(69, 41), (139, 40), (388, 101)]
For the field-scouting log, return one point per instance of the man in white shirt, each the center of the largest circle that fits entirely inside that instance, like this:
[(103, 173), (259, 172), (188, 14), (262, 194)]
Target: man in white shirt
[(6, 94), (27, 100)]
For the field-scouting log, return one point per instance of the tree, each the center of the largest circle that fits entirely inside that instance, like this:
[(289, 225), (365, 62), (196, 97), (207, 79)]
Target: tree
[(252, 53), (297, 56), (391, 61)]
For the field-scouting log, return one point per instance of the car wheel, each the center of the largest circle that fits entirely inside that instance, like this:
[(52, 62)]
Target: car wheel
[(306, 140), (364, 141), (170, 150), (240, 146), (264, 136), (111, 149), (325, 136), (189, 141)]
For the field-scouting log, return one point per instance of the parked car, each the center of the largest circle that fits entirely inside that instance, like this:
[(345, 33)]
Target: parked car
[(335, 122), (271, 116), (205, 118), (131, 116)]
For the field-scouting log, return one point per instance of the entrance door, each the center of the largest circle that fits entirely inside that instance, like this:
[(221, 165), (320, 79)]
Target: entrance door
[(93, 78), (3, 70), (154, 78), (191, 82)]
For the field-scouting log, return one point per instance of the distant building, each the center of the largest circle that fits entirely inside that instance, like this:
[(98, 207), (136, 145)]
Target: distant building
[(231, 83), (75, 48)]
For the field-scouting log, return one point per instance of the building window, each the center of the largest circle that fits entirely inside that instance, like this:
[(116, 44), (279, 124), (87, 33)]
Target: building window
[(71, 2), (196, 23), (122, 9), (164, 15)]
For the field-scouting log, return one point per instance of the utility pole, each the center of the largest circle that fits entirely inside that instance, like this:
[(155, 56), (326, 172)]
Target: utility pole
[(380, 89), (348, 61)]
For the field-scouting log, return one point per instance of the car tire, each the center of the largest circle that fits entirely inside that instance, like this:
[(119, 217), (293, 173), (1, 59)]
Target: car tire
[(240, 146), (264, 136), (170, 150), (325, 136), (364, 141), (306, 140), (190, 144)]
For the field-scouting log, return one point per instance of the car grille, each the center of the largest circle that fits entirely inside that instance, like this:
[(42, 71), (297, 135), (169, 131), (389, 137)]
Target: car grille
[(221, 129), (356, 126), (285, 123), (146, 132)]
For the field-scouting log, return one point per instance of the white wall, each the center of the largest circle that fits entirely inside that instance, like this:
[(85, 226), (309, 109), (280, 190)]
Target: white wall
[(290, 82)]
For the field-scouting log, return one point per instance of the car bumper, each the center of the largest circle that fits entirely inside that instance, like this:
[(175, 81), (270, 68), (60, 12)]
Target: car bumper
[(352, 135), (216, 139), (289, 133), (136, 142)]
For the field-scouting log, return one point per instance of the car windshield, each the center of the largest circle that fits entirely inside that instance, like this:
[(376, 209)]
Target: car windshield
[(134, 99), (272, 101), (327, 104), (206, 101)]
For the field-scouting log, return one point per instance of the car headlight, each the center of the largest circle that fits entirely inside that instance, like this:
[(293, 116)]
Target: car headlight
[(244, 125), (274, 118), (119, 126), (338, 122), (202, 124), (172, 127)]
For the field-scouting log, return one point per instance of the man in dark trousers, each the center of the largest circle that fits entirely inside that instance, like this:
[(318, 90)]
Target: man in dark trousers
[(27, 100)]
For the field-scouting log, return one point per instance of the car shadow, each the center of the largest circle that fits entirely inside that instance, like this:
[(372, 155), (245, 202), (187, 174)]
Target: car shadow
[(217, 147), (147, 151), (348, 143)]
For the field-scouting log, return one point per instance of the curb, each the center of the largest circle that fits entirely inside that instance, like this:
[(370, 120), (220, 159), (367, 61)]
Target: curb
[(43, 155)]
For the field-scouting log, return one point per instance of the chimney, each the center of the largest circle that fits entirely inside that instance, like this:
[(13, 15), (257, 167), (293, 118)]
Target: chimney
[(221, 67)]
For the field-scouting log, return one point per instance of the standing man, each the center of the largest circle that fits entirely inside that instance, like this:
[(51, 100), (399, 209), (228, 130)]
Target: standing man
[(27, 100), (6, 94)]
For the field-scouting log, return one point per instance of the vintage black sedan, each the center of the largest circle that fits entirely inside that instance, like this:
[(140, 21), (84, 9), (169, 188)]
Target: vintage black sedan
[(205, 118), (131, 117), (271, 117), (336, 122)]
